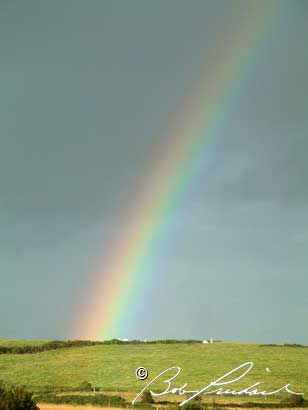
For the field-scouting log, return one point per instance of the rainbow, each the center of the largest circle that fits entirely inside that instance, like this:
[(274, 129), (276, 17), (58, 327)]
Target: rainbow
[(106, 307)]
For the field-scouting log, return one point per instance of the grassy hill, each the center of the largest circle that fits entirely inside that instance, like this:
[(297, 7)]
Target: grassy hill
[(112, 367)]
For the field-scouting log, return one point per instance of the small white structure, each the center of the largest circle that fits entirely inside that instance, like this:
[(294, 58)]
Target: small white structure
[(205, 341)]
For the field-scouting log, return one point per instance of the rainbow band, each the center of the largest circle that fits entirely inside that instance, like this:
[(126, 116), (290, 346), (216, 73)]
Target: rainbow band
[(119, 280)]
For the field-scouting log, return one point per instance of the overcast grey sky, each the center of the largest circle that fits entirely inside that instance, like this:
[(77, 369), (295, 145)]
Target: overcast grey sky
[(87, 91)]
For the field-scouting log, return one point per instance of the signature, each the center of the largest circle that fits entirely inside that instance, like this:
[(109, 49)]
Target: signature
[(214, 387)]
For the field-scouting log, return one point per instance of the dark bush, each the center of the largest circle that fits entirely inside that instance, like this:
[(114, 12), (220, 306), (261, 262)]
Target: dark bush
[(97, 399), (60, 344), (295, 400), (194, 406), (85, 386), (16, 398), (293, 345), (146, 397), (172, 407)]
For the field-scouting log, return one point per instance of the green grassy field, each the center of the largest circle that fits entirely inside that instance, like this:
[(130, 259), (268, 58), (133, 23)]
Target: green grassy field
[(112, 367)]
